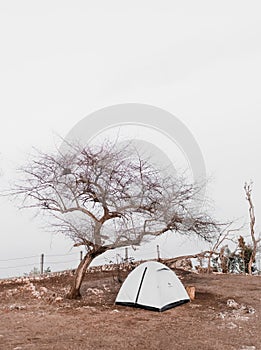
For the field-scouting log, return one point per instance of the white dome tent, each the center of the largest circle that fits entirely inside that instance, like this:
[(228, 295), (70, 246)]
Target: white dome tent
[(152, 286)]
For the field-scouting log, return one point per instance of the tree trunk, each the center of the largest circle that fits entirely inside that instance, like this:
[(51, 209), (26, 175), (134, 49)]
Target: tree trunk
[(74, 292), (252, 259), (209, 263), (223, 260), (248, 191)]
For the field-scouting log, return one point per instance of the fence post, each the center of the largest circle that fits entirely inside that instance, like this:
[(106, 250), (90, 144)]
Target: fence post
[(42, 264), (80, 255), (126, 255), (158, 253)]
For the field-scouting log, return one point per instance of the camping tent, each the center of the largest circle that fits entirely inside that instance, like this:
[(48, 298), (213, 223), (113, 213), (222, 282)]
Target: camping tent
[(152, 286)]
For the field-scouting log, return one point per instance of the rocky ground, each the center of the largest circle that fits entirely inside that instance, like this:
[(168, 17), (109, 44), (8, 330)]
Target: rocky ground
[(226, 314)]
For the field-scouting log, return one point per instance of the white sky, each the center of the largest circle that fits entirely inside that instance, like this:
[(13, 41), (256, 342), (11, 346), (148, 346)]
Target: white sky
[(62, 60)]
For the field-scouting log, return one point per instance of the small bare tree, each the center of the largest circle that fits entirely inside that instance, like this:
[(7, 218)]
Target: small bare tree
[(104, 197), (224, 233), (220, 253), (255, 241)]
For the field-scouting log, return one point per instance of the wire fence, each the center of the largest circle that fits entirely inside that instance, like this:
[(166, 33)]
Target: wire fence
[(37, 264), (45, 263)]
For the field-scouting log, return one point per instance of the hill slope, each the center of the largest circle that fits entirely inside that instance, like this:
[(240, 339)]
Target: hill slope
[(226, 314)]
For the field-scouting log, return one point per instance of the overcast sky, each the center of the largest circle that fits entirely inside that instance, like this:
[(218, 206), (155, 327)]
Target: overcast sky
[(62, 60)]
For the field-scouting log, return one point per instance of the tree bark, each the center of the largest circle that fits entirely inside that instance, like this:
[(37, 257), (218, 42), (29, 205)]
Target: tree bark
[(74, 292), (252, 258), (248, 191)]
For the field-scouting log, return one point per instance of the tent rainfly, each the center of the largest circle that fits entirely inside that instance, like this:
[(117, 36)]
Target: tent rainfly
[(152, 286)]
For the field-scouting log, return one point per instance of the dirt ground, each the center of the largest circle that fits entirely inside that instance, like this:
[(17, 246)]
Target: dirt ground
[(226, 314)]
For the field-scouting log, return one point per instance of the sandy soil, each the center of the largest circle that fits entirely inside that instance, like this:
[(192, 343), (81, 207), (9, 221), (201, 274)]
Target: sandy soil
[(226, 314)]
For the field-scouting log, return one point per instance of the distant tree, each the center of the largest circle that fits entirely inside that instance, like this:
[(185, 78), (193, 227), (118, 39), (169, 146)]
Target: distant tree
[(226, 261), (48, 270), (236, 261), (34, 272), (218, 250), (255, 241), (103, 197), (244, 255)]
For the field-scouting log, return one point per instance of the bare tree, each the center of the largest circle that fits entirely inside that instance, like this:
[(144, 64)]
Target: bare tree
[(255, 241), (104, 197), (224, 234)]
